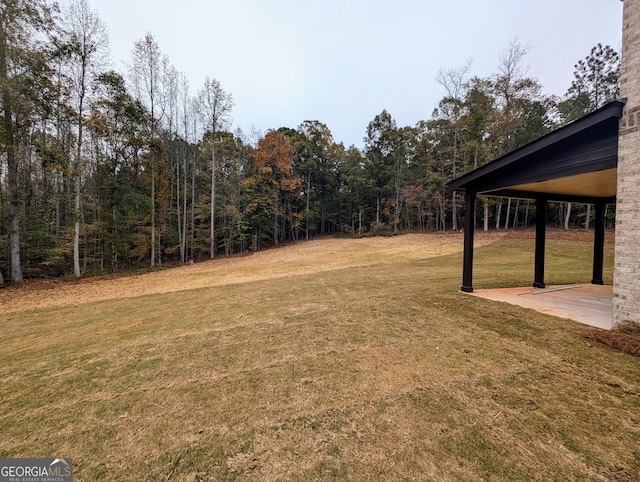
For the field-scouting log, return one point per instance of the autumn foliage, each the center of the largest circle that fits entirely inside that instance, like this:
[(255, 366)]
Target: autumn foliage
[(274, 187)]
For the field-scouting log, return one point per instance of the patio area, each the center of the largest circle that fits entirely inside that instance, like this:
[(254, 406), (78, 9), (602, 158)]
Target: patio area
[(587, 304)]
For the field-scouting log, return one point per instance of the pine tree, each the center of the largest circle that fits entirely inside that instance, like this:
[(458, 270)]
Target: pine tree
[(596, 82)]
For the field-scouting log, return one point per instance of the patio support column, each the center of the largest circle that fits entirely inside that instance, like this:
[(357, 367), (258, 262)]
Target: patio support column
[(467, 270), (541, 231), (598, 245)]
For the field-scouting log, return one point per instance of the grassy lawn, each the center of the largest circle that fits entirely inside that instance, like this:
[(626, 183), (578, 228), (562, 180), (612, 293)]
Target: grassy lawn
[(328, 360)]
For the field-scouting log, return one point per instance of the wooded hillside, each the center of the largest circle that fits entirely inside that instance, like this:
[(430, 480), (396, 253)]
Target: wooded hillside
[(102, 171)]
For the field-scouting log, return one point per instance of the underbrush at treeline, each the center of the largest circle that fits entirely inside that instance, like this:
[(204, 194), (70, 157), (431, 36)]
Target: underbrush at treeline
[(95, 268)]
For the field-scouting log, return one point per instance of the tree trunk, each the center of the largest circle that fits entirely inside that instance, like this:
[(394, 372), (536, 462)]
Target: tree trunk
[(76, 206), (2, 283), (153, 212), (506, 222), (14, 214), (397, 209), (454, 212), (193, 204), (184, 212), (160, 231), (498, 212), (114, 249), (587, 221), (212, 246), (58, 192), (179, 212), (486, 215), (567, 216), (275, 220), (454, 205), (78, 173), (83, 225), (515, 215), (307, 207), (475, 157), (12, 164), (323, 212)]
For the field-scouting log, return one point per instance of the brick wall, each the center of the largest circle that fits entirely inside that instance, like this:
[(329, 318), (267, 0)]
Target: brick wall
[(626, 280)]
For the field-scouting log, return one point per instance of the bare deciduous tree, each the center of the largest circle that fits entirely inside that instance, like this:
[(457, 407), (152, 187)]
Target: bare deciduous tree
[(146, 73), (215, 109), (85, 37), (454, 82)]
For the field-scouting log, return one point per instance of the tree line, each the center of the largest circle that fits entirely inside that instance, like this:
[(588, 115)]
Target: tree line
[(103, 171)]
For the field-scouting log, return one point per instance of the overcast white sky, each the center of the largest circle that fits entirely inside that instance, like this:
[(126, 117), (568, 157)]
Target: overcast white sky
[(342, 61)]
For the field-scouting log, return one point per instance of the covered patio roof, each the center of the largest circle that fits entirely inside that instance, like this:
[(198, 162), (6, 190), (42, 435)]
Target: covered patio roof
[(575, 163)]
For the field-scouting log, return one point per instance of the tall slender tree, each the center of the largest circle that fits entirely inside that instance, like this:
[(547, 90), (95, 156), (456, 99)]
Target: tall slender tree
[(22, 71), (215, 110), (119, 128), (85, 36), (187, 108), (455, 82), (318, 163), (597, 75), (514, 91), (146, 72), (596, 82)]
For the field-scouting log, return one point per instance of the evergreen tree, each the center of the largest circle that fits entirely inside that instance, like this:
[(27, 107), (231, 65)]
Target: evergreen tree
[(596, 82)]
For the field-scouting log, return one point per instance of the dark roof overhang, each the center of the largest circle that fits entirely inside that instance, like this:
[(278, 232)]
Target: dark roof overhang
[(577, 162)]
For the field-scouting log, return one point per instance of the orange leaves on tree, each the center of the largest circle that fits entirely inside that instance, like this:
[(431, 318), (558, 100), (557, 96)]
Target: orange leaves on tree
[(274, 158), (274, 184)]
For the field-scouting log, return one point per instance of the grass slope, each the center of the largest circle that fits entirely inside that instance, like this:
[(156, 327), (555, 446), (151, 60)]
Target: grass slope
[(333, 359)]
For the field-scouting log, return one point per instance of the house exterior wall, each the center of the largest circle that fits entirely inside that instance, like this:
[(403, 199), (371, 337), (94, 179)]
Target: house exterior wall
[(626, 280)]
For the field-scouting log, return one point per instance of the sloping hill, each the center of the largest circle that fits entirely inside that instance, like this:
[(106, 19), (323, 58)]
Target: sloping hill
[(297, 259), (336, 359)]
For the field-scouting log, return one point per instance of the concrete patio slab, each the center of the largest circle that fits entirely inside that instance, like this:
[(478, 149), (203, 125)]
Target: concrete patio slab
[(588, 304)]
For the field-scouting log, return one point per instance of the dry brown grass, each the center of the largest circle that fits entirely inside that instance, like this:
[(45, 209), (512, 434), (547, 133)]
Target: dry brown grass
[(297, 259), (330, 360), (625, 338)]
